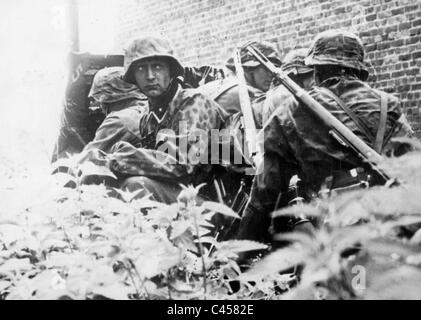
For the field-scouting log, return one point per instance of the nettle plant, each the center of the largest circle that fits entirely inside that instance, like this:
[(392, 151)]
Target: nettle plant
[(367, 244), (96, 242), (82, 243)]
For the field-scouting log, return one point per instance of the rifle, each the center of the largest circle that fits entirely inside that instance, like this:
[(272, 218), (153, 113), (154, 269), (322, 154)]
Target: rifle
[(338, 130), (250, 131)]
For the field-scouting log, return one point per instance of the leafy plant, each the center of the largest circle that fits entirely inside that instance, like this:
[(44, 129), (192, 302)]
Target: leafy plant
[(96, 242)]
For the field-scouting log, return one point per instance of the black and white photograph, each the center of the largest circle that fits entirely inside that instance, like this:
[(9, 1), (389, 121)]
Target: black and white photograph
[(210, 154)]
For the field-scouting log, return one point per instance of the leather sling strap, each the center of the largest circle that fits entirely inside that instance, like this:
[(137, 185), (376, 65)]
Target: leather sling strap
[(361, 125), (378, 145)]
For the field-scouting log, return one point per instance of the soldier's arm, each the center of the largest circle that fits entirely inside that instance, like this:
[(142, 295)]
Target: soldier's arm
[(115, 128), (177, 155), (274, 98)]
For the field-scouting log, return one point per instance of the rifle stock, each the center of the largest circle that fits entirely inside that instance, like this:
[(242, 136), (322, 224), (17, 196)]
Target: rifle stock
[(338, 130)]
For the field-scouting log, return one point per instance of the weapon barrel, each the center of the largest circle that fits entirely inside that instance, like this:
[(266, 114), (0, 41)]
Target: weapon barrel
[(353, 140)]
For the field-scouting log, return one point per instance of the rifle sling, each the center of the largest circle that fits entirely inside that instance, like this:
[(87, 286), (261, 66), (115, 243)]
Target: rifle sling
[(378, 145), (360, 124)]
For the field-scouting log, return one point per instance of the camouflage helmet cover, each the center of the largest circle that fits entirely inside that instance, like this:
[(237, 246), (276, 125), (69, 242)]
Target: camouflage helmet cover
[(338, 47), (248, 60), (149, 47), (293, 62), (108, 86)]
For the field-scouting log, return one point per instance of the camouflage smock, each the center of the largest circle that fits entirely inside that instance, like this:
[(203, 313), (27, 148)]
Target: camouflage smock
[(274, 98), (119, 125), (297, 142), (170, 145), (225, 93)]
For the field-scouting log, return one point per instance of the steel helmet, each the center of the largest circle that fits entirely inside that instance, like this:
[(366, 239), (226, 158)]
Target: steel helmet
[(248, 60), (149, 47), (338, 47), (293, 62), (108, 86)]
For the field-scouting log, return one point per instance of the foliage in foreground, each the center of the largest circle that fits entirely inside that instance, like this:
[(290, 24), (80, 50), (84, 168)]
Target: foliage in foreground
[(82, 243)]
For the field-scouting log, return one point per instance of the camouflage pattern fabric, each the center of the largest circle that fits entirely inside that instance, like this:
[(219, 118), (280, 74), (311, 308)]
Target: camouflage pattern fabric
[(123, 103), (225, 93), (340, 48), (293, 62), (119, 125), (109, 87), (274, 98), (160, 154), (249, 61), (149, 47), (297, 142)]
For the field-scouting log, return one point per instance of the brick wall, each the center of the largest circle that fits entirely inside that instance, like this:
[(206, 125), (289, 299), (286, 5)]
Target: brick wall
[(205, 31)]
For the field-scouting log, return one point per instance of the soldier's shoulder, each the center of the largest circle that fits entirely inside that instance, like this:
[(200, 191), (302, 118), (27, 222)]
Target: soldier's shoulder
[(128, 117), (129, 112), (391, 98), (214, 88), (193, 96)]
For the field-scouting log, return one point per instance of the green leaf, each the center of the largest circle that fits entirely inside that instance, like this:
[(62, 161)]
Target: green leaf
[(279, 260), (17, 265), (307, 210), (219, 208), (4, 285), (178, 228), (89, 168), (128, 196), (115, 291), (241, 245)]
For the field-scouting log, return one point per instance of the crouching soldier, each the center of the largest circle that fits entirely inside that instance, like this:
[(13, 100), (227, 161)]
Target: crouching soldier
[(296, 141), (235, 179), (122, 103), (174, 132)]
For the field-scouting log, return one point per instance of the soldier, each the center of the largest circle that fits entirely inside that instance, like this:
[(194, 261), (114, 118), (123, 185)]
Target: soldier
[(297, 142), (174, 130), (234, 181), (122, 103), (293, 65), (225, 92)]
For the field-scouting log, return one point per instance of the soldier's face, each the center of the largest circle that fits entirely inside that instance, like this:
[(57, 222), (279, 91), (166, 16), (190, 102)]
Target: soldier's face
[(153, 76), (261, 78)]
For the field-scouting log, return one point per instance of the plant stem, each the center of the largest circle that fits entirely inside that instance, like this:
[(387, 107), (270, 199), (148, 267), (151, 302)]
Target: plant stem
[(201, 256)]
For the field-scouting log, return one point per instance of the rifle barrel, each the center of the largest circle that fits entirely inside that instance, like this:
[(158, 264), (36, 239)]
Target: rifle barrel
[(355, 142)]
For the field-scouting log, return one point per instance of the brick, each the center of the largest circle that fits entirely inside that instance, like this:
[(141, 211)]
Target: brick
[(416, 55), (405, 57), (371, 17), (398, 11)]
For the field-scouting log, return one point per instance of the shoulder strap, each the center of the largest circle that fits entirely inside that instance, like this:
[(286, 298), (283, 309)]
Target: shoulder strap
[(378, 145), (360, 124)]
